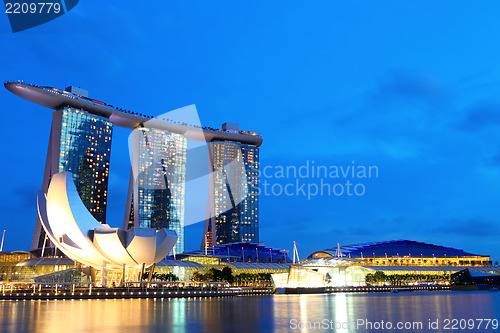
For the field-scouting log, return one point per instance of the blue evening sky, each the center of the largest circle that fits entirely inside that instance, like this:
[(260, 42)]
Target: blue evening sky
[(410, 87)]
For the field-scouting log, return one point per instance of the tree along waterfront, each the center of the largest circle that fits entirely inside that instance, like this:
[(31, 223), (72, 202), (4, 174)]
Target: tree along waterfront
[(405, 279)]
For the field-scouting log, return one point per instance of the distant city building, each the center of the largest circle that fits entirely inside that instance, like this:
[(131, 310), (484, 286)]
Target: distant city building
[(79, 142), (157, 186), (233, 207)]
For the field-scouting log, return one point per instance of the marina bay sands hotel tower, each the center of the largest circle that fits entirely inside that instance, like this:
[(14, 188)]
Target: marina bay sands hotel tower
[(80, 142)]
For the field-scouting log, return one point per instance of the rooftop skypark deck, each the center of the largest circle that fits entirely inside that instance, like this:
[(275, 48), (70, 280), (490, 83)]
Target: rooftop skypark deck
[(55, 98)]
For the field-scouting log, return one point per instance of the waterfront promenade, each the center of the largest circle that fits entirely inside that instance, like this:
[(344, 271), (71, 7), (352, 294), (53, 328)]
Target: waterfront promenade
[(385, 289), (215, 290), (130, 290)]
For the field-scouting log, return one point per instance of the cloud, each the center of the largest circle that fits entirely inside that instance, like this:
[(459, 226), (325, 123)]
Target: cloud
[(408, 87), (492, 161), (473, 227), (22, 196), (400, 117), (480, 116)]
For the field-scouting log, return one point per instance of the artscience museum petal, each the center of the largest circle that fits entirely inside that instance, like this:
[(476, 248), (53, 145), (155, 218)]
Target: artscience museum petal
[(77, 234)]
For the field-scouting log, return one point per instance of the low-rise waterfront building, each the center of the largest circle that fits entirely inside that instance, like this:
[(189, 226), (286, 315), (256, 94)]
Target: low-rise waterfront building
[(415, 261), (404, 253)]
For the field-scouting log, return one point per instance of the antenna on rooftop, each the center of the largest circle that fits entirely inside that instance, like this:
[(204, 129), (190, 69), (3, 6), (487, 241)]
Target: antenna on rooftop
[(338, 253), (43, 247), (3, 237), (295, 252)]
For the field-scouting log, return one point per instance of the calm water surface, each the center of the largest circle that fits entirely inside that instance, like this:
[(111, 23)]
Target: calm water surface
[(278, 313)]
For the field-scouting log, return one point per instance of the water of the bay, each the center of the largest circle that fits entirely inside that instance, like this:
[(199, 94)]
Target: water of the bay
[(276, 313)]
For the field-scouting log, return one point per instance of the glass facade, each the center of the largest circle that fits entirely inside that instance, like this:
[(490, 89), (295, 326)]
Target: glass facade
[(8, 262), (235, 192), (85, 148), (81, 144), (160, 178)]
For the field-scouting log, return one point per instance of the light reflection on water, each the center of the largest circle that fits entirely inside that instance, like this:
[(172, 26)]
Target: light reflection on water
[(244, 314)]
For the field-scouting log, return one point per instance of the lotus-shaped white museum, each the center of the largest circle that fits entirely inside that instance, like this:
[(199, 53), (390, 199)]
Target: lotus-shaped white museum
[(76, 233)]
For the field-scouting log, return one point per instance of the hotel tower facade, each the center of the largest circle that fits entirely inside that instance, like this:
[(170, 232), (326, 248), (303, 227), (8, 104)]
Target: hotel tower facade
[(157, 182), (79, 142), (233, 204)]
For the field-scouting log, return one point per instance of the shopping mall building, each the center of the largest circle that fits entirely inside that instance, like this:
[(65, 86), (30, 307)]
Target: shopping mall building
[(349, 265)]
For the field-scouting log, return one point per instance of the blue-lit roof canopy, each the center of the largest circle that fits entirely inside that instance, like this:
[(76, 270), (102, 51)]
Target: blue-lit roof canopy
[(259, 266), (241, 252), (46, 262), (397, 248), (179, 263)]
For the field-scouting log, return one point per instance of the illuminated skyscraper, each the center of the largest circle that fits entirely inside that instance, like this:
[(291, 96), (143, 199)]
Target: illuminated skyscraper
[(80, 143), (233, 206), (158, 180)]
